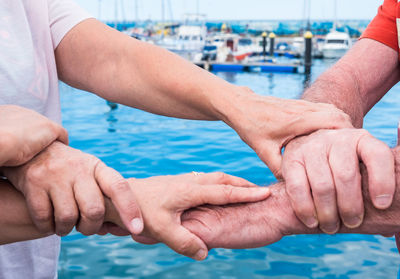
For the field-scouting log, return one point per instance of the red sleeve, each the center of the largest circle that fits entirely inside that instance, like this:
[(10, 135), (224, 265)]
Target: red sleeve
[(383, 27)]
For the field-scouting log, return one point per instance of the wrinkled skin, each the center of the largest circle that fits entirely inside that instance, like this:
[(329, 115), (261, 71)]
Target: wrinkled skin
[(266, 222), (64, 188), (323, 179), (163, 199), (267, 123)]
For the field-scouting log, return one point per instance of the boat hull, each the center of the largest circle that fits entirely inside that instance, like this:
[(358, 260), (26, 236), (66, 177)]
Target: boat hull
[(334, 53)]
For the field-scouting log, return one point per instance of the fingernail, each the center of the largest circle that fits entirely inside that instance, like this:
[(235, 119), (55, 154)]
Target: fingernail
[(312, 222), (353, 222), (330, 229), (137, 225), (383, 201), (200, 255)]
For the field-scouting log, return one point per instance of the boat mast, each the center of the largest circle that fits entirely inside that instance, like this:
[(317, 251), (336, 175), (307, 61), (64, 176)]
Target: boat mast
[(307, 14), (162, 11), (136, 11), (116, 14), (99, 9), (123, 11), (171, 14), (335, 16)]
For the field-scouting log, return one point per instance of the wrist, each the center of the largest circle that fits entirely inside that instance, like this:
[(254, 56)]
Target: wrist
[(230, 104)]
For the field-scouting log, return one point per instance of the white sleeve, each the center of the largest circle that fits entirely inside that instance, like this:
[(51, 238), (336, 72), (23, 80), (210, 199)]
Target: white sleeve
[(63, 16)]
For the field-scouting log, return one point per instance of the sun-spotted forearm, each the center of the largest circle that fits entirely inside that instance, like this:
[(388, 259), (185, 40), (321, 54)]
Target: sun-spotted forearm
[(263, 223), (358, 81)]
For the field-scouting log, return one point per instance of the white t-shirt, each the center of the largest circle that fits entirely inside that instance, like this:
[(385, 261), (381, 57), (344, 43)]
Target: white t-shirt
[(30, 31)]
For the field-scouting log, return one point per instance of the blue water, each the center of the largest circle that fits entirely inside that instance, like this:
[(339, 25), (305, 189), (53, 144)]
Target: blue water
[(139, 144)]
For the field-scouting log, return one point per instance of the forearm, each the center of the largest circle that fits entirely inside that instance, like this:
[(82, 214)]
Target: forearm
[(266, 222), (358, 81), (15, 222), (125, 70)]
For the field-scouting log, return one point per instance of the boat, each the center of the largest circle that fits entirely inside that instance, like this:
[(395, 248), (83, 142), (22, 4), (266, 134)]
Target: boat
[(336, 44), (190, 39)]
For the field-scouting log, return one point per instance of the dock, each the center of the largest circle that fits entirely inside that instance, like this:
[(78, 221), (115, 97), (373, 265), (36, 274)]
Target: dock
[(248, 67)]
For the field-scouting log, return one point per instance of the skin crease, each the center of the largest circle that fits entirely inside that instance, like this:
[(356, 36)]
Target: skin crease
[(162, 199), (266, 222), (325, 188), (234, 226)]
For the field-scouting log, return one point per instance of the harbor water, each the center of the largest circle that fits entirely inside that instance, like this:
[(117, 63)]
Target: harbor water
[(140, 145)]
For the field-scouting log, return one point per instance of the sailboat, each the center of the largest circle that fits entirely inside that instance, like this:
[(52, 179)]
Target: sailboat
[(336, 43)]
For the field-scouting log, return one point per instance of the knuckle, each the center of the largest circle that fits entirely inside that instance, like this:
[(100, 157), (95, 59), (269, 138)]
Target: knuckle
[(186, 247), (94, 212), (347, 175), (42, 215), (305, 209), (228, 192), (120, 185), (323, 189), (294, 189), (220, 176), (67, 217), (34, 175)]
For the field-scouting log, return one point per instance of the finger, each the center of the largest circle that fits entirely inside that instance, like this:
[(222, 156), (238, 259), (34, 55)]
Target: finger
[(118, 190), (41, 210), (379, 160), (91, 206), (346, 174), (62, 134), (65, 209), (298, 190), (184, 242), (323, 190), (223, 178), (145, 240), (313, 121), (225, 194)]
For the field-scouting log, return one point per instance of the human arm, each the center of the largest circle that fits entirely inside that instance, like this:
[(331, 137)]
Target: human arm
[(263, 223), (99, 59), (64, 187), (24, 133), (162, 200), (354, 84), (358, 80)]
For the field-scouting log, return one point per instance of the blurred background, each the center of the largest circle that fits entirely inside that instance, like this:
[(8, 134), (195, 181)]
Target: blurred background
[(277, 48)]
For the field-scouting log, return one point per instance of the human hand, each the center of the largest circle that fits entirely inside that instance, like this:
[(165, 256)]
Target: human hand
[(163, 200), (267, 124), (24, 133), (323, 178), (65, 185), (243, 226)]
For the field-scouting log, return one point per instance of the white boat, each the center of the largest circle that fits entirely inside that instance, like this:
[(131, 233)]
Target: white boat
[(190, 39), (336, 44)]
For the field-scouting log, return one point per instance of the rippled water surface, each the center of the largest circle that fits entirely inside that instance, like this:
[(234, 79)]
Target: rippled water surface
[(139, 145)]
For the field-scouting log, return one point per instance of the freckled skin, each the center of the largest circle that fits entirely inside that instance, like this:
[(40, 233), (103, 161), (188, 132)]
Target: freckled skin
[(266, 222)]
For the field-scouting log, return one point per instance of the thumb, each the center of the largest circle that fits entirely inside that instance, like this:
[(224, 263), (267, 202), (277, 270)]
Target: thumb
[(119, 191), (182, 241)]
